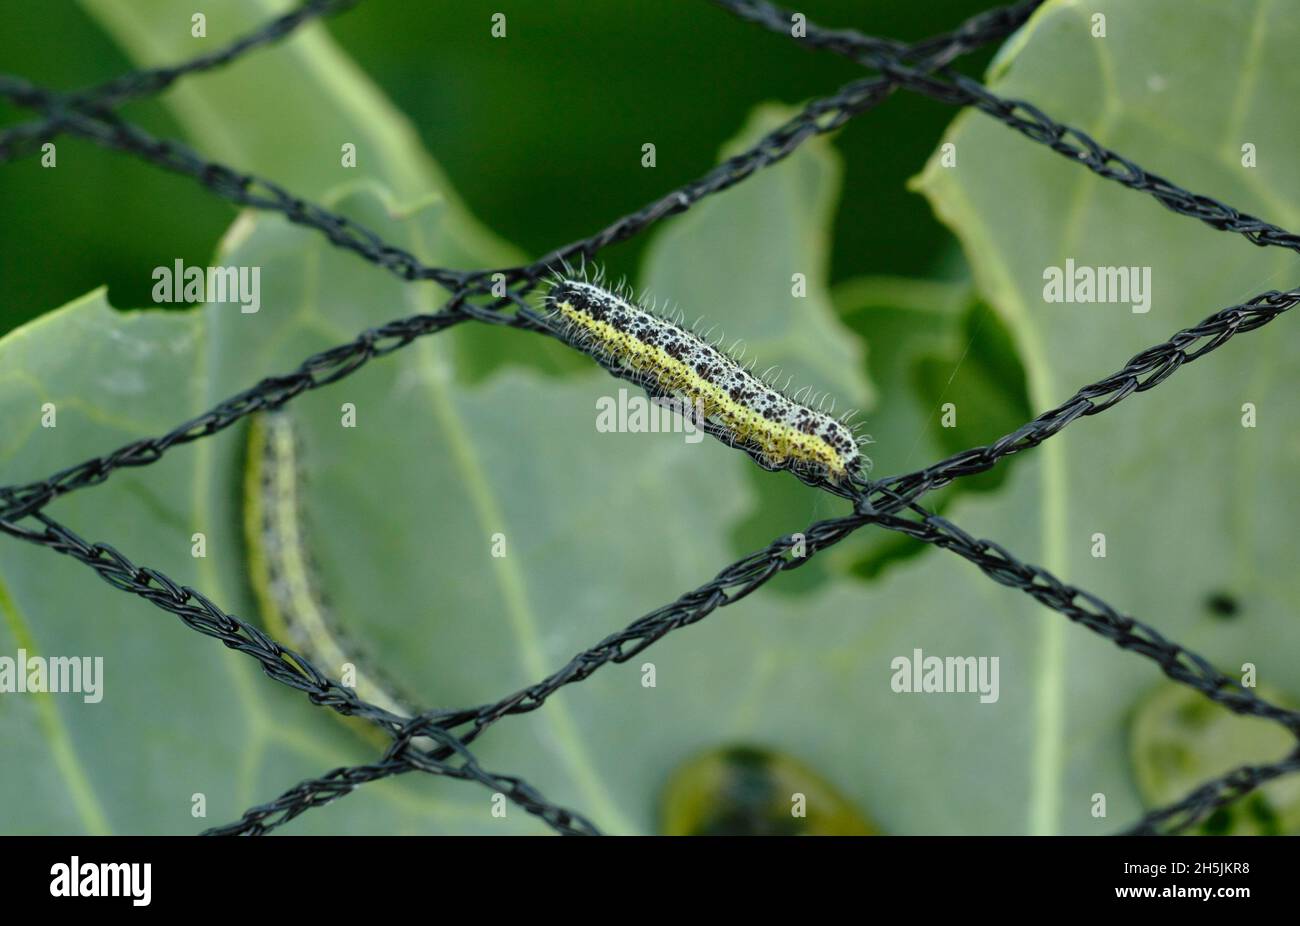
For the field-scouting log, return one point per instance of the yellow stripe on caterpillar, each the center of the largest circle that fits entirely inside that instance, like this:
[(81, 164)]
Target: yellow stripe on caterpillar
[(656, 351)]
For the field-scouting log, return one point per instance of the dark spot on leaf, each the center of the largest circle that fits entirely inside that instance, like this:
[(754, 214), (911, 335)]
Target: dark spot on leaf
[(1222, 605)]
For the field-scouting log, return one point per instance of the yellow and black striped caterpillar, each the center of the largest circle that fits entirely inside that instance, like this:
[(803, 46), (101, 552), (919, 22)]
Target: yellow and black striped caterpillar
[(744, 409), (280, 569)]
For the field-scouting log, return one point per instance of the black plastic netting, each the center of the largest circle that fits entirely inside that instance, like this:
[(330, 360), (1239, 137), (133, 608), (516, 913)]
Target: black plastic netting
[(892, 503)]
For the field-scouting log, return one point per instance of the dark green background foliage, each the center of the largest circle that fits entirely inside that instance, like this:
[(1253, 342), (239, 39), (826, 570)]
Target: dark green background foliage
[(541, 135)]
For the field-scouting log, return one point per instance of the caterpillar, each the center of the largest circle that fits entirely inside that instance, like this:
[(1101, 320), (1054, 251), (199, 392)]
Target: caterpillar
[(745, 790), (281, 571), (746, 411)]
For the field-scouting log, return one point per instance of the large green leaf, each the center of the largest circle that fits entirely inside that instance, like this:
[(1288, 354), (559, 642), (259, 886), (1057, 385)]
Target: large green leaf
[(401, 513), (1193, 505), (299, 101), (458, 440)]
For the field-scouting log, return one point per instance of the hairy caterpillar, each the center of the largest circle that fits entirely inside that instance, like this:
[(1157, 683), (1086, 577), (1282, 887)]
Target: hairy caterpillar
[(746, 411), (281, 570)]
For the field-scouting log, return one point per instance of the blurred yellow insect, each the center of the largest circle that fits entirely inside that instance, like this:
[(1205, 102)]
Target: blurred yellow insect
[(280, 568)]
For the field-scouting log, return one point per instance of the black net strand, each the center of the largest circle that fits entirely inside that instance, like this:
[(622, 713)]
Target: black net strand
[(1209, 797), (949, 86), (294, 670)]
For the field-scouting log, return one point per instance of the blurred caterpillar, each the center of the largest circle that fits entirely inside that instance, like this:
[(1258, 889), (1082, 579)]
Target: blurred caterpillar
[(283, 577), (745, 790), (745, 410)]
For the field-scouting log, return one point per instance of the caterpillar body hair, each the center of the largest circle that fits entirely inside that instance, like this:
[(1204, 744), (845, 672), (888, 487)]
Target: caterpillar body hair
[(655, 351)]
